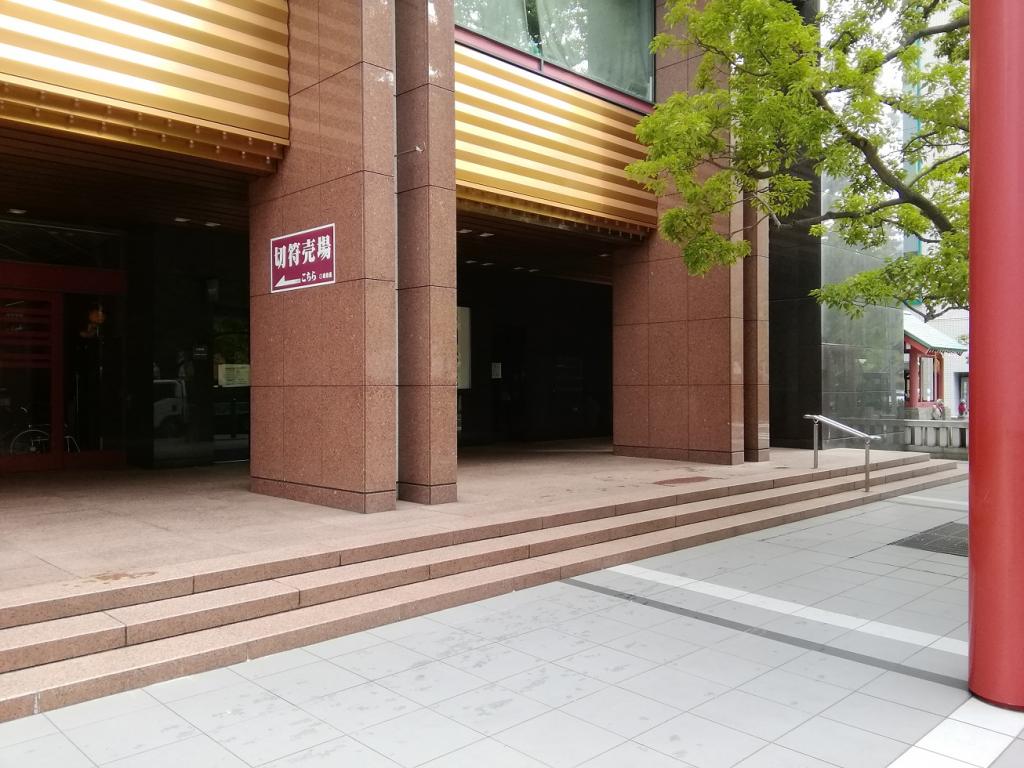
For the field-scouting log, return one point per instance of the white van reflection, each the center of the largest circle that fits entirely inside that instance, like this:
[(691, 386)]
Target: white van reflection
[(170, 407)]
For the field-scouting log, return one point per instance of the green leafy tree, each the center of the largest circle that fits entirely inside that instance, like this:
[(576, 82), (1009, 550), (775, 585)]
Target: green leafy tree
[(773, 90)]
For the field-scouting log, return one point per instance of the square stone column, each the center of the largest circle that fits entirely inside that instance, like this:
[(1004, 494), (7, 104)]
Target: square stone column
[(427, 298), (678, 355), (324, 358), (756, 430)]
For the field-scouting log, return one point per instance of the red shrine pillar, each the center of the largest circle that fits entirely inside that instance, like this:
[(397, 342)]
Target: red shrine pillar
[(997, 421), (915, 378)]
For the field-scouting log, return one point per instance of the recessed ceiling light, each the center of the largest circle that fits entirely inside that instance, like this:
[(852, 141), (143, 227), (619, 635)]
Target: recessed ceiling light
[(534, 270), (602, 255), (17, 211), (212, 224), (469, 261), (487, 264), (181, 220), (465, 231), (517, 269), (486, 234)]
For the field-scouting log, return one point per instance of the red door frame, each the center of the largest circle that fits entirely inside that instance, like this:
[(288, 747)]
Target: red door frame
[(53, 281)]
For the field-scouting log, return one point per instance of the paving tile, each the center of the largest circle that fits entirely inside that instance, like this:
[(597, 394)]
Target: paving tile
[(885, 718), (965, 742), (198, 752), (490, 708), (416, 737), (275, 662), (105, 708), (695, 631), (25, 729), (442, 642), (811, 696), (606, 664), (559, 740), (633, 755), (193, 685), (945, 663), (553, 685), (674, 687), (915, 757), (52, 751), (833, 670), (381, 660), (760, 650), (360, 707), (774, 756), (328, 649), (977, 712), (843, 745), (805, 628), (1013, 757), (653, 646), (637, 615), (337, 753), (494, 661), (130, 734), (751, 714), (430, 683), (229, 706), (914, 692), (720, 667), (488, 752), (700, 742), (311, 681), (274, 736), (548, 644), (398, 629), (875, 647), (620, 711), (595, 628)]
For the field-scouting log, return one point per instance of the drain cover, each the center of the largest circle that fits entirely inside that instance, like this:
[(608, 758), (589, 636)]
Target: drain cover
[(949, 539), (682, 480)]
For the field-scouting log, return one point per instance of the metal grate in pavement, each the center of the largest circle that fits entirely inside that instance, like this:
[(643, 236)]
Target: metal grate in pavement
[(949, 539)]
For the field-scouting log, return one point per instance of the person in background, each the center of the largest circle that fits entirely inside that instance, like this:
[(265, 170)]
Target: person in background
[(962, 409), (938, 410)]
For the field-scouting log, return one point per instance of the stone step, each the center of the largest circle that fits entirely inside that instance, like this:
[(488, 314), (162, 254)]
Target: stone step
[(22, 647), (101, 593), (60, 683)]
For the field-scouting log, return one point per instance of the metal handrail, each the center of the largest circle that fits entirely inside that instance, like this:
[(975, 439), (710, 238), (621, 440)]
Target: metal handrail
[(818, 420)]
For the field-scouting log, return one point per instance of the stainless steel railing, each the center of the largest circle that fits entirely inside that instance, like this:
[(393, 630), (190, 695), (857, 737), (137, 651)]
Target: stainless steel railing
[(818, 420)]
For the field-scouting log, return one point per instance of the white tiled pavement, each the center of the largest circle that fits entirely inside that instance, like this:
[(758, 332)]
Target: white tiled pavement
[(813, 645)]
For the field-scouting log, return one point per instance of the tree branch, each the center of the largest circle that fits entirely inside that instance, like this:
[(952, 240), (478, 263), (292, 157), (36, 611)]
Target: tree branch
[(834, 215), (959, 23), (935, 166), (884, 173)]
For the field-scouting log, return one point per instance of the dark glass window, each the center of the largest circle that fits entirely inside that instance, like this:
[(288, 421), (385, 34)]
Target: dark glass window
[(603, 40)]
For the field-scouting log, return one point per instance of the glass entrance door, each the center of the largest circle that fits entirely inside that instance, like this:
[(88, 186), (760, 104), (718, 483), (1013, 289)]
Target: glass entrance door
[(31, 413)]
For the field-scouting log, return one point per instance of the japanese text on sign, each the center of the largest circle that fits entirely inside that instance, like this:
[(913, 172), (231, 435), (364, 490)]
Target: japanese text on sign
[(302, 259)]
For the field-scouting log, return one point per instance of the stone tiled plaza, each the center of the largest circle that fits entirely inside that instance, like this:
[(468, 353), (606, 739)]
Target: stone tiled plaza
[(811, 645)]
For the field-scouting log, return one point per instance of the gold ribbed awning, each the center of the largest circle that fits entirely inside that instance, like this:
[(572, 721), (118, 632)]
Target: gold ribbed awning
[(542, 146), (206, 78)]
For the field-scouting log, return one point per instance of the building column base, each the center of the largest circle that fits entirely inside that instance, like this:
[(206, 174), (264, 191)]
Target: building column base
[(353, 501), (428, 494)]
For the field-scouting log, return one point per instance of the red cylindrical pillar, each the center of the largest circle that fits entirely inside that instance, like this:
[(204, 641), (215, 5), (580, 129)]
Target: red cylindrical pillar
[(997, 420), (915, 378)]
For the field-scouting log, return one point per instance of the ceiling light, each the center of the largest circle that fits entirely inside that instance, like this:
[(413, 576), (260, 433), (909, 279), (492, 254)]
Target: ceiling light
[(517, 269), (602, 255), (487, 264), (181, 220), (486, 234), (212, 224), (17, 211), (465, 231), (469, 261), (534, 270)]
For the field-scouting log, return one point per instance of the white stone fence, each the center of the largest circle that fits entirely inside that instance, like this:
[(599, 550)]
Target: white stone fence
[(938, 436)]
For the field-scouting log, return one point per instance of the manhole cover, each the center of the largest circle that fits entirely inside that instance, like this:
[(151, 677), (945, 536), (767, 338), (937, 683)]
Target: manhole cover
[(682, 480), (949, 539)]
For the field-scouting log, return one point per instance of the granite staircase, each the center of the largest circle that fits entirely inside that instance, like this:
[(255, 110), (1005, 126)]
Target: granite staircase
[(68, 642)]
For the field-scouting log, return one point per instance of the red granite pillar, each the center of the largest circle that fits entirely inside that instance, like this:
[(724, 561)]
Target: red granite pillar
[(426, 251), (997, 421), (323, 358), (677, 340)]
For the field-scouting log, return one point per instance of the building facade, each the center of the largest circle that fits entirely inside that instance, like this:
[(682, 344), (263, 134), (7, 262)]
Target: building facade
[(341, 238)]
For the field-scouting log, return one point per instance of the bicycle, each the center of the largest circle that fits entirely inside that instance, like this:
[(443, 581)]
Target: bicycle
[(35, 439)]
